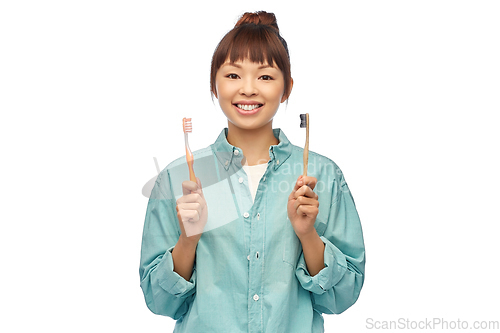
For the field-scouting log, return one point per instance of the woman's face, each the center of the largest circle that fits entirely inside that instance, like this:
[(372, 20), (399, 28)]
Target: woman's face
[(249, 93)]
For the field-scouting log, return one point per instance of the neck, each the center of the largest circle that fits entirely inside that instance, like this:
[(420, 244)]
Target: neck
[(255, 143)]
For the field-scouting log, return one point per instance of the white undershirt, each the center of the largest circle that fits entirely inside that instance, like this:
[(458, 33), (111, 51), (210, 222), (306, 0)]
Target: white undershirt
[(254, 173)]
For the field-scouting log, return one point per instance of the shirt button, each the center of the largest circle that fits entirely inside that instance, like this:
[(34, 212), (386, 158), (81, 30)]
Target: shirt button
[(278, 162), (248, 257), (240, 180), (236, 152), (257, 255), (255, 297), (246, 214)]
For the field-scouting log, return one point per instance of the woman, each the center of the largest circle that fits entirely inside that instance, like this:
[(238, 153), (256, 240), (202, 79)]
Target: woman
[(258, 247)]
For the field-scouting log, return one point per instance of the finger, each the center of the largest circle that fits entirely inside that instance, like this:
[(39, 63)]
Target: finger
[(298, 183), (307, 201), (189, 186), (310, 181), (198, 182), (307, 210), (303, 206), (190, 216), (306, 191), (190, 206), (189, 198), (301, 191)]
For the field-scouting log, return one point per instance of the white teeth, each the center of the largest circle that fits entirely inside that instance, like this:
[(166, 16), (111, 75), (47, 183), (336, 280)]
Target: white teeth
[(248, 107)]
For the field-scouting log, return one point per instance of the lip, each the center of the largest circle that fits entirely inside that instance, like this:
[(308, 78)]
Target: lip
[(247, 113)]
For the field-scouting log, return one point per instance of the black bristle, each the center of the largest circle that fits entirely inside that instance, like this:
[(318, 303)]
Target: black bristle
[(303, 120)]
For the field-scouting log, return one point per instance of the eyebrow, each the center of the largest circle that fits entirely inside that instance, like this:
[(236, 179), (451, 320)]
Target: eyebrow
[(238, 66)]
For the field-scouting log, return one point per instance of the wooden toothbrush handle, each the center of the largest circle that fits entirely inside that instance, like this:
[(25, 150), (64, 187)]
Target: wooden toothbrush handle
[(190, 162), (192, 176), (306, 147)]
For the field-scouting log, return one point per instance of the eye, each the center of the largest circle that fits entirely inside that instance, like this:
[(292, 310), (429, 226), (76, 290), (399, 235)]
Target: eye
[(232, 76), (266, 77)]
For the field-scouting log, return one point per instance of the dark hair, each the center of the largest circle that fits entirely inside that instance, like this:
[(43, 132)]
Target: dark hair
[(255, 36)]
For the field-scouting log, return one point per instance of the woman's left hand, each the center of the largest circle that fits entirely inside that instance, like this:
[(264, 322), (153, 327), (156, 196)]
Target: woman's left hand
[(303, 206)]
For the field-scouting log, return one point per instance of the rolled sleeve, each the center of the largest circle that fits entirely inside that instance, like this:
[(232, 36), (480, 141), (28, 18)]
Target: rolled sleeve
[(335, 267), (171, 281), (165, 291), (337, 286)]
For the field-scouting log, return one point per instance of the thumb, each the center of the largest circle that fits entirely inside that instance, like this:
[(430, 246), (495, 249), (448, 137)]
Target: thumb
[(298, 184), (198, 181)]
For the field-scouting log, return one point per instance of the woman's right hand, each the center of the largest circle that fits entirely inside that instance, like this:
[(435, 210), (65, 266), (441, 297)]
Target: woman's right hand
[(192, 210)]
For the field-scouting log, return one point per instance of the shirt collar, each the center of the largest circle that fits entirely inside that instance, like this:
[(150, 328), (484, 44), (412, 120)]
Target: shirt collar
[(228, 154)]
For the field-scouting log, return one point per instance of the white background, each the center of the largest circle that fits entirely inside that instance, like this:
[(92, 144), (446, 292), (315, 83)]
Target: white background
[(402, 95)]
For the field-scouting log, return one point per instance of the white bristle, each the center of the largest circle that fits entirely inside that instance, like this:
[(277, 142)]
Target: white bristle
[(188, 126)]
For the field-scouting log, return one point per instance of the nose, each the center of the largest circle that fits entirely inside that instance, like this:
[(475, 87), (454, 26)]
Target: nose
[(248, 87)]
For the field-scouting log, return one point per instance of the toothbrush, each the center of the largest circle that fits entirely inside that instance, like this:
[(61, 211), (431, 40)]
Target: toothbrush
[(304, 123), (188, 128)]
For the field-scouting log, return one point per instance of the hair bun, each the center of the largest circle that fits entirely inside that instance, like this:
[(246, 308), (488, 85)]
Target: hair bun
[(260, 17)]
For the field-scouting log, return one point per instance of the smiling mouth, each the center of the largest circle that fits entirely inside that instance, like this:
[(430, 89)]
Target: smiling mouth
[(248, 107)]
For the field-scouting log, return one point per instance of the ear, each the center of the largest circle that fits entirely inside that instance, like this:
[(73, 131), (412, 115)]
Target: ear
[(284, 98)]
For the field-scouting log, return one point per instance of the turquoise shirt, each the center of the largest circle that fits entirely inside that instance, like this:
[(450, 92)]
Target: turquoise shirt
[(249, 273)]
